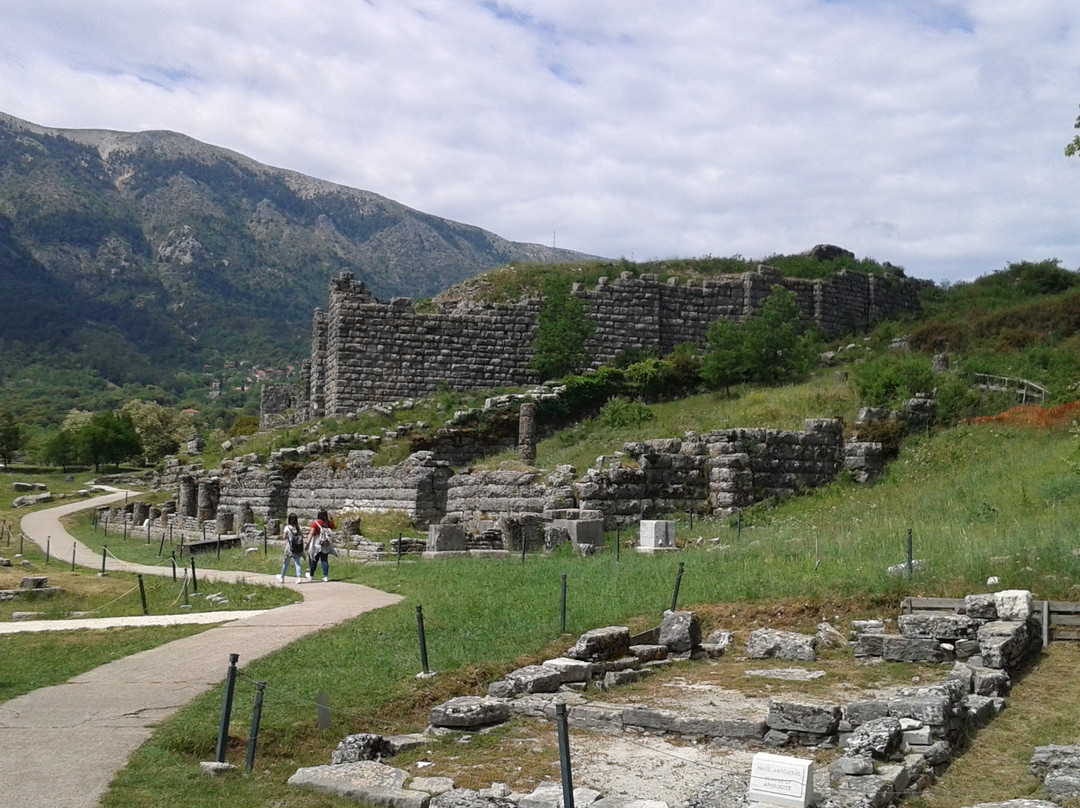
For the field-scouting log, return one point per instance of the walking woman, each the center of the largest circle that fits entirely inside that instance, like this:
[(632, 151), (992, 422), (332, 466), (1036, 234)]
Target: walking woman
[(294, 549), (320, 545)]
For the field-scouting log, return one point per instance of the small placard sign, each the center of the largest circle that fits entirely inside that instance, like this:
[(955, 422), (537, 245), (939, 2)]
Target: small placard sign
[(780, 780)]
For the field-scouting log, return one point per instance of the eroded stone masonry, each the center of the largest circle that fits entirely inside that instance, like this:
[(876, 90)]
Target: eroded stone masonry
[(366, 351)]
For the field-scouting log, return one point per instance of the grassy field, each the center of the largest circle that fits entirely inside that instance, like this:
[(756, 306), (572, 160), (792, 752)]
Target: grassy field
[(980, 501)]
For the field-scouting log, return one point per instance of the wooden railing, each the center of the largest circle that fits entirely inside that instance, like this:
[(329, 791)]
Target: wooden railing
[(1060, 619), (1025, 390)]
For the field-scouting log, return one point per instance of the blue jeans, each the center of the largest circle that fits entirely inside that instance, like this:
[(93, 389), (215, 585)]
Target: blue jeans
[(296, 561), (316, 559)]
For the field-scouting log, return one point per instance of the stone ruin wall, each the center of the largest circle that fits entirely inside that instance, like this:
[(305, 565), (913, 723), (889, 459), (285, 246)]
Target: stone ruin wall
[(366, 351), (714, 473)]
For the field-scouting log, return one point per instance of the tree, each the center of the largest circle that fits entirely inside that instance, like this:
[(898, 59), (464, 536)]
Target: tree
[(727, 359), (772, 346), (108, 438), (562, 329), (1073, 146), (59, 449), (11, 439), (160, 429)]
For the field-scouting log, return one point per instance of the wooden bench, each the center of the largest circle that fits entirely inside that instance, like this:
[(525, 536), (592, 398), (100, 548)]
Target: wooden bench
[(209, 545)]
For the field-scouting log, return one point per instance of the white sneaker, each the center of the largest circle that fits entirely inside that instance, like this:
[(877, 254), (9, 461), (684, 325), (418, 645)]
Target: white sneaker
[(299, 580), (281, 578), (325, 578), (307, 575)]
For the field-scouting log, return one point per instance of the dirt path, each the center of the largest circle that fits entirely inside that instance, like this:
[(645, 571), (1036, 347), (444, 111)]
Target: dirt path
[(62, 745)]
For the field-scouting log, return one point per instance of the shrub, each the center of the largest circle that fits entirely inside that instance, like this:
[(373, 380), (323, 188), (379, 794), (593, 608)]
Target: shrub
[(886, 380), (621, 412)]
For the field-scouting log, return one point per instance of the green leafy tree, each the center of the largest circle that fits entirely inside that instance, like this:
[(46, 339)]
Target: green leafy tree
[(772, 346), (59, 449), (1073, 146), (108, 438), (727, 355), (562, 329), (11, 439), (160, 429)]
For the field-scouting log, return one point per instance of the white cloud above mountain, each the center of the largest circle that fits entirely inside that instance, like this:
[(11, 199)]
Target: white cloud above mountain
[(929, 134)]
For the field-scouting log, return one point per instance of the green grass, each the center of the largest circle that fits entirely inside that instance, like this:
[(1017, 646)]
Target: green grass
[(47, 658)]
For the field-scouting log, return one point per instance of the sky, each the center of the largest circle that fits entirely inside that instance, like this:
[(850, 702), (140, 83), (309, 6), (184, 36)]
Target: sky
[(928, 134)]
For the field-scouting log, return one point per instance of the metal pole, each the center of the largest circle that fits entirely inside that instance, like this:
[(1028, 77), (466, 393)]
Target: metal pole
[(125, 527), (678, 581), (194, 580), (256, 717), (48, 548), (523, 542), (399, 549), (142, 595), (264, 540), (618, 541), (691, 515), (161, 547), (148, 531), (103, 549), (738, 524), (564, 756), (219, 545), (21, 537), (226, 708), (423, 639), (910, 554), (173, 560), (562, 609), (73, 556)]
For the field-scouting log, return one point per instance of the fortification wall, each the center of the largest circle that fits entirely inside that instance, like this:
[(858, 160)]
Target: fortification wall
[(365, 351)]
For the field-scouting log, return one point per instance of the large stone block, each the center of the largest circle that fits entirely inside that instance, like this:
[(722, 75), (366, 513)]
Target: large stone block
[(601, 644), (656, 534), (680, 631), (795, 716), (1014, 604), (944, 627), (767, 643), (466, 712), (444, 538), (1004, 643)]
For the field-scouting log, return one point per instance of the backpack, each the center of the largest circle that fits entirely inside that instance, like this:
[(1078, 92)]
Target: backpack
[(324, 539), (296, 541)]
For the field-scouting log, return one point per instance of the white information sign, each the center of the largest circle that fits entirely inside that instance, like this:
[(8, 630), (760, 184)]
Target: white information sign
[(780, 780)]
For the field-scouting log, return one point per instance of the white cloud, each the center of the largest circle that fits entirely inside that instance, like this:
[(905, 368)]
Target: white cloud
[(929, 134)]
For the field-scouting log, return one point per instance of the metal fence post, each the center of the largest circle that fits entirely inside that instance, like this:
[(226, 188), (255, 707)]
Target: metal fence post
[(423, 638), (564, 756), (256, 717), (678, 581), (226, 708)]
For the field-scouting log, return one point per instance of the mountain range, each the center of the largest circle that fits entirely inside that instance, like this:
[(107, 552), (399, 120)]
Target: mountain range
[(135, 255)]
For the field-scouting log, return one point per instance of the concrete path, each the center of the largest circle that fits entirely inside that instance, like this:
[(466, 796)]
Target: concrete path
[(62, 745)]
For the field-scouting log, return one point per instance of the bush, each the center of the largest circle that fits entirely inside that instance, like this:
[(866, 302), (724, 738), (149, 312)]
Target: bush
[(621, 412), (889, 379)]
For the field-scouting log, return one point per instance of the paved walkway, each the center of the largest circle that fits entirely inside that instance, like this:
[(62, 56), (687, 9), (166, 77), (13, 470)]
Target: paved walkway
[(62, 745)]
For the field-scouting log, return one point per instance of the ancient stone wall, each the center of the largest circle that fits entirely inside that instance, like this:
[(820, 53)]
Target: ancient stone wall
[(366, 351), (715, 473)]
